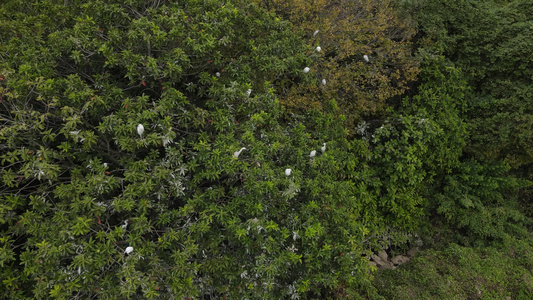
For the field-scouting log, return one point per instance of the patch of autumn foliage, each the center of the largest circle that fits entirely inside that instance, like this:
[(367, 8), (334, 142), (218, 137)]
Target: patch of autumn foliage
[(348, 30)]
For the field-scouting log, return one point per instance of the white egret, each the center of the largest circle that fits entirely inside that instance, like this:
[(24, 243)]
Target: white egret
[(323, 81), (316, 32), (248, 92), (237, 153), (140, 130), (306, 70), (288, 172), (365, 57), (312, 154), (318, 49), (128, 250), (323, 148)]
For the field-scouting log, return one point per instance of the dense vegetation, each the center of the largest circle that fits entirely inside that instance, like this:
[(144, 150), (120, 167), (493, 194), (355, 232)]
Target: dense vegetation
[(264, 149)]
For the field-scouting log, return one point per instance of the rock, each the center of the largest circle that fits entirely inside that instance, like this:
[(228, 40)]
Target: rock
[(399, 260), (412, 252), (377, 260), (382, 263), (383, 255)]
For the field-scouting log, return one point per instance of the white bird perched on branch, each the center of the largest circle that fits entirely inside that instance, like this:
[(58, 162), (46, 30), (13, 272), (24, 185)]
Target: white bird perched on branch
[(306, 69), (248, 92), (323, 81), (365, 57), (323, 148), (237, 153), (318, 49), (312, 154), (140, 130), (128, 250), (288, 172)]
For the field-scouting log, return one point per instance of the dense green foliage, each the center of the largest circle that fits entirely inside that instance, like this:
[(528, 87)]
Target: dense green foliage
[(490, 42), (144, 151), (463, 191)]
